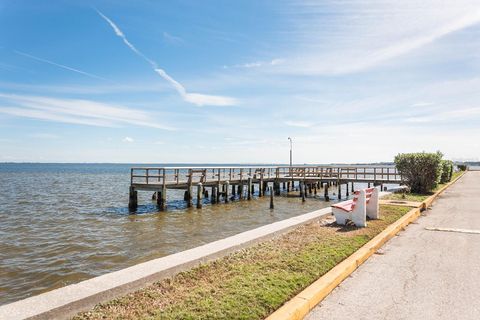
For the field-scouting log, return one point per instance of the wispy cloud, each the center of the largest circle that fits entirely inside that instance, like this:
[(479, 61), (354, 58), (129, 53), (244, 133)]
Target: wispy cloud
[(359, 35), (172, 39), (128, 140), (257, 64), (91, 75), (76, 111), (194, 98)]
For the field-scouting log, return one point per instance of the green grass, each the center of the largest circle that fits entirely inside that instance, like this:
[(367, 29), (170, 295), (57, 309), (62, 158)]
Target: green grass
[(418, 197), (251, 283)]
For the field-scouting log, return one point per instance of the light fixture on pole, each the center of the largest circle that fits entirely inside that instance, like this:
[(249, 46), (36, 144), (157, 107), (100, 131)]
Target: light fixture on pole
[(290, 151)]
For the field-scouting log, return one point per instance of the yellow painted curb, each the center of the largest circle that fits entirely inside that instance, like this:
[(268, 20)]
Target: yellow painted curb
[(300, 305)]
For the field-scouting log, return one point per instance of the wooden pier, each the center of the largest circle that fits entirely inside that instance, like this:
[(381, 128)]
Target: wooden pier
[(227, 183)]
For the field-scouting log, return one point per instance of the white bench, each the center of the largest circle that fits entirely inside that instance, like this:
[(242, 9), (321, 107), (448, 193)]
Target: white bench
[(363, 204)]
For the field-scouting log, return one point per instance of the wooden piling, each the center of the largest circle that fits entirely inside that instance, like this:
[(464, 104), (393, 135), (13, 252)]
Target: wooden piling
[(218, 192), (189, 197), (346, 190), (133, 199), (234, 191), (303, 186), (213, 198), (271, 198), (240, 190), (249, 189), (227, 186), (339, 191), (163, 198), (199, 195), (327, 198)]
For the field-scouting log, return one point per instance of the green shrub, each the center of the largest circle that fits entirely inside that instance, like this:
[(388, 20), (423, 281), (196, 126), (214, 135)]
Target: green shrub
[(462, 167), (447, 171), (422, 172)]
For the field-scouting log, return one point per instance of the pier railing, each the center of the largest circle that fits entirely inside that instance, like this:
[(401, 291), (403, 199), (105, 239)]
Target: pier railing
[(195, 175)]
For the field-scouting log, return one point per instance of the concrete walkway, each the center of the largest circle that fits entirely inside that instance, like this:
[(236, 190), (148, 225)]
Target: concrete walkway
[(420, 274)]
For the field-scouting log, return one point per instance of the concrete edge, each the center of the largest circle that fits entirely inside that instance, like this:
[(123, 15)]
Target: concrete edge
[(300, 305), (69, 300)]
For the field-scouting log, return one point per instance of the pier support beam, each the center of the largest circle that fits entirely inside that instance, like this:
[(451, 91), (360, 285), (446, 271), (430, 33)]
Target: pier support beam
[(133, 199), (240, 190), (163, 199), (199, 195), (327, 198), (227, 186), (261, 189), (303, 187), (188, 196), (346, 190), (249, 188), (339, 190), (271, 198), (234, 191), (213, 197)]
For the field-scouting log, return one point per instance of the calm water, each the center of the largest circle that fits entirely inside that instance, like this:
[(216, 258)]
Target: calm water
[(63, 223)]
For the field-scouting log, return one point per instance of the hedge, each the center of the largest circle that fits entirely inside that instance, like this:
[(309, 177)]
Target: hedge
[(447, 171), (421, 172)]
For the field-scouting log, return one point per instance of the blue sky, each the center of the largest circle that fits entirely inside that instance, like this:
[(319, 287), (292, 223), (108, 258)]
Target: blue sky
[(229, 81)]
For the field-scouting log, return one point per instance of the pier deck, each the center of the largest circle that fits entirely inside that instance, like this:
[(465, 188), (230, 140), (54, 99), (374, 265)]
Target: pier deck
[(242, 180)]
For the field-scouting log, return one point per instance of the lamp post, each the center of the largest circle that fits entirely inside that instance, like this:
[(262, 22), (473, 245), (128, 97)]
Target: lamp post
[(290, 151)]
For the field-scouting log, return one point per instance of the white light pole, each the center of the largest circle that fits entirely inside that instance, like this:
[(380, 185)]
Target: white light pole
[(290, 151)]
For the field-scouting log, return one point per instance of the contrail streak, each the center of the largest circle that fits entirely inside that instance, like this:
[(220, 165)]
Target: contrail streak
[(60, 65), (195, 98)]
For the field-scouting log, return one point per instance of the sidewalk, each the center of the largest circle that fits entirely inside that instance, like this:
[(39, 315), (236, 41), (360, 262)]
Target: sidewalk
[(420, 274)]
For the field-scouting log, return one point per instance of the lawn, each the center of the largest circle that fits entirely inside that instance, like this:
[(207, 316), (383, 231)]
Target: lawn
[(251, 283)]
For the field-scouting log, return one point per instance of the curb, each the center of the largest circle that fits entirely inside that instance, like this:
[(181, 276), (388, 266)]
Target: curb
[(300, 305)]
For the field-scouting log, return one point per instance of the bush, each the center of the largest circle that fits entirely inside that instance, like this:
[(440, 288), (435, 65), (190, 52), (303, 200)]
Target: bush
[(421, 172), (462, 167), (447, 171)]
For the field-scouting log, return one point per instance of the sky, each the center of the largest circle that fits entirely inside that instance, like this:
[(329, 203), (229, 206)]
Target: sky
[(229, 81)]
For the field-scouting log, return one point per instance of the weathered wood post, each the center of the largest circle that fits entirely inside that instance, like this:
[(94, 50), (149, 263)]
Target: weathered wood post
[(189, 196), (249, 188), (288, 186), (163, 198), (310, 189), (339, 190), (234, 191), (315, 188), (213, 198), (133, 199), (327, 198), (240, 190), (199, 195), (347, 190), (284, 185), (227, 186), (303, 187), (218, 192), (271, 198), (353, 187), (369, 184)]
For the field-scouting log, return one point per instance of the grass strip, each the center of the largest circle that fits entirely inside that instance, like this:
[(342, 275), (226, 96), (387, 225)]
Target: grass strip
[(418, 197), (251, 283)]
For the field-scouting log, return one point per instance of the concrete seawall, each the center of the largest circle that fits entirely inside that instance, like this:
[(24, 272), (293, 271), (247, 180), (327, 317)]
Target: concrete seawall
[(68, 301)]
